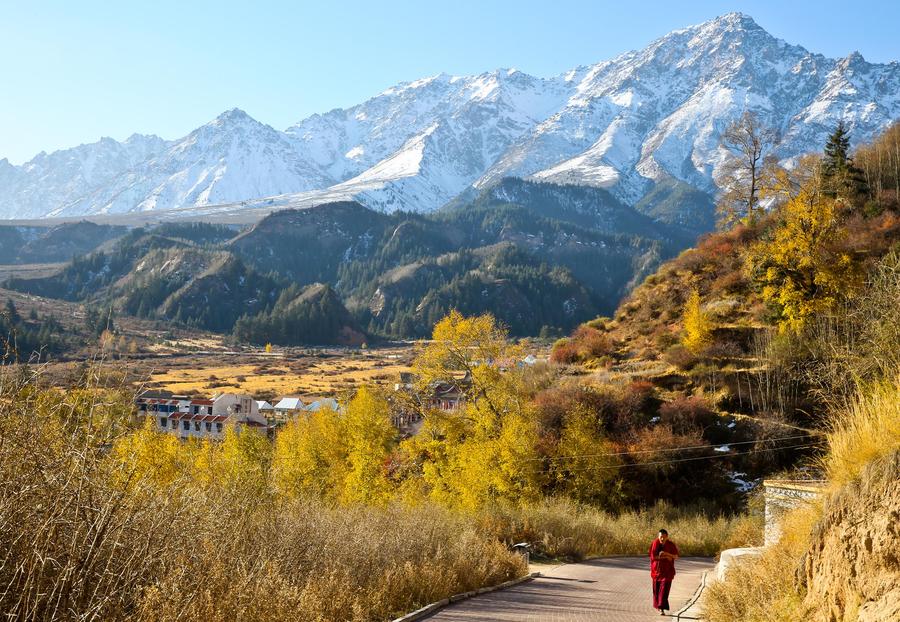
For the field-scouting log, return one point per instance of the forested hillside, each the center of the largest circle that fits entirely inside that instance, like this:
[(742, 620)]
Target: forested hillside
[(541, 257), (35, 244)]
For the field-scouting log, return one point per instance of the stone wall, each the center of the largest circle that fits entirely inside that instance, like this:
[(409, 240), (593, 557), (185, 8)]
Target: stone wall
[(782, 496)]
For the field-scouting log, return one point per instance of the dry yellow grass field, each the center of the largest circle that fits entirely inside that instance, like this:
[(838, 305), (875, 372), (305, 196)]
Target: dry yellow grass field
[(260, 375)]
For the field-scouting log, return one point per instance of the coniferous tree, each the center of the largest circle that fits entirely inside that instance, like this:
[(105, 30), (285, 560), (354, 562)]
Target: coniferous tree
[(11, 312), (841, 177), (837, 150)]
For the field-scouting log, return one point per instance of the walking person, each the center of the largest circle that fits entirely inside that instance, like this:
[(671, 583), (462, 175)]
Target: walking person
[(663, 554)]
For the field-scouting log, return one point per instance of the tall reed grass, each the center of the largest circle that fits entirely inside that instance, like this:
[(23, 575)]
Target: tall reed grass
[(559, 528), (866, 430), (84, 538)]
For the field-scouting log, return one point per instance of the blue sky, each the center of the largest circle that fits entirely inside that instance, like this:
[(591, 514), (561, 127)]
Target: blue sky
[(74, 71)]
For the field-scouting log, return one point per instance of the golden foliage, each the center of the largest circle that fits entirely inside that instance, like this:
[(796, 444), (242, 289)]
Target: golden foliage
[(803, 267), (369, 438), (580, 467), (697, 325), (339, 456), (310, 456), (488, 449)]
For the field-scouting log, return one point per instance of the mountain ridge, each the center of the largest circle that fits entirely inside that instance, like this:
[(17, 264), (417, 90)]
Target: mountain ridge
[(646, 117)]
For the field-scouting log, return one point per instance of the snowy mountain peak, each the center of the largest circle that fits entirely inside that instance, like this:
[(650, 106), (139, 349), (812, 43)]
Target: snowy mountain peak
[(235, 116), (735, 20), (645, 119)]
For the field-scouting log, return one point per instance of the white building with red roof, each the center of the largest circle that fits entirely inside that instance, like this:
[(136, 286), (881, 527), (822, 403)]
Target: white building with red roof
[(202, 418)]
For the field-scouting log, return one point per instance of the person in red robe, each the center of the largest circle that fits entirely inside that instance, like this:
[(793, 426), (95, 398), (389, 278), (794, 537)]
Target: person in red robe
[(663, 554)]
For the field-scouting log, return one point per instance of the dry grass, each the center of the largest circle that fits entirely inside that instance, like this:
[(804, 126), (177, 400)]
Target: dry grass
[(562, 529), (85, 536), (867, 430), (309, 379), (202, 341), (765, 589)]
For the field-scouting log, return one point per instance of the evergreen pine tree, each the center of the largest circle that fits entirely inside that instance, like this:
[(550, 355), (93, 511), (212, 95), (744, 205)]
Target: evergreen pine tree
[(12, 313), (837, 150), (841, 176)]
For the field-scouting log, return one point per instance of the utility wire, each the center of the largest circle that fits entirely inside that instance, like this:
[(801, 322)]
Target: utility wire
[(685, 448), (659, 462)]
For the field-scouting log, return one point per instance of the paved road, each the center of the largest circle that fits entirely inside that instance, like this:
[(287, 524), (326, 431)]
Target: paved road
[(613, 589)]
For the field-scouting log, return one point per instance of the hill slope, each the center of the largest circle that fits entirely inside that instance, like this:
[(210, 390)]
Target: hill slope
[(545, 263)]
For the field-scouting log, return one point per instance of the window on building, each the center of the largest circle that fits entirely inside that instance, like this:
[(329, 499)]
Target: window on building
[(197, 426), (218, 427), (196, 409), (208, 426), (186, 425), (163, 422)]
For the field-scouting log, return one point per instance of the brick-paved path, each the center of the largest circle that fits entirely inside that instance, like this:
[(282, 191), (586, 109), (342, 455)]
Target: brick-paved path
[(613, 589)]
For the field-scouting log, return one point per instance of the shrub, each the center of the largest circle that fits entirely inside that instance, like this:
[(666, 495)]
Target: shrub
[(686, 414), (599, 323), (680, 357), (639, 400), (730, 282), (591, 343), (564, 353)]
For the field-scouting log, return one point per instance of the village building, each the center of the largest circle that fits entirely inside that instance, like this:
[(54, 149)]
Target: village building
[(328, 403), (443, 395), (201, 418), (286, 409), (446, 396)]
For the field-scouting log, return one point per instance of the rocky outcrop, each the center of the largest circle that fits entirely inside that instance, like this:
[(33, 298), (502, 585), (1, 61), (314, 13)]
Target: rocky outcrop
[(852, 569)]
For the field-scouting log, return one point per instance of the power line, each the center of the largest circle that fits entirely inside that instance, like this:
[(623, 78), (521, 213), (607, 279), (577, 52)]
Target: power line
[(677, 460), (687, 447)]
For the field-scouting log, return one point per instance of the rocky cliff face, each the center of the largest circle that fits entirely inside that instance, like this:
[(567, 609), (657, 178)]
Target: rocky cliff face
[(852, 569)]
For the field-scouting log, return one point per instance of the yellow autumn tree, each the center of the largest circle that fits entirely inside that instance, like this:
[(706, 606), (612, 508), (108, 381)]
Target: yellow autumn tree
[(245, 458), (369, 436), (697, 325), (149, 456), (433, 450), (583, 466), (488, 449), (802, 267), (310, 456)]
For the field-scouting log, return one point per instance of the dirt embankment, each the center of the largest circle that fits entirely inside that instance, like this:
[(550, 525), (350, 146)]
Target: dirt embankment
[(852, 569)]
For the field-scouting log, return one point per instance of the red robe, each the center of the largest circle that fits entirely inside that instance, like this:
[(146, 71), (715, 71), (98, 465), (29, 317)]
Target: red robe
[(662, 568), (662, 571)]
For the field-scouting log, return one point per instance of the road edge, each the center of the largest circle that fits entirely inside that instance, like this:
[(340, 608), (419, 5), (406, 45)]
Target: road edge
[(429, 609), (694, 598)]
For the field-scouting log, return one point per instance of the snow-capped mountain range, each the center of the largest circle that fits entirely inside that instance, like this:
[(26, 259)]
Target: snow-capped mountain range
[(625, 124)]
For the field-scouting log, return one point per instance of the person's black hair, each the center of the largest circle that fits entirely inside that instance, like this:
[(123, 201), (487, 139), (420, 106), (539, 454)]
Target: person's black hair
[(663, 531)]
